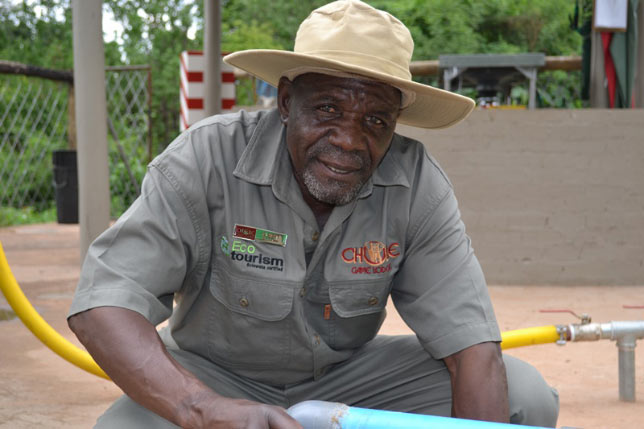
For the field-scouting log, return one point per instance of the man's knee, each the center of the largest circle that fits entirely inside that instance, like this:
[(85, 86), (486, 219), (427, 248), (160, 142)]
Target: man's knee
[(125, 413), (532, 401)]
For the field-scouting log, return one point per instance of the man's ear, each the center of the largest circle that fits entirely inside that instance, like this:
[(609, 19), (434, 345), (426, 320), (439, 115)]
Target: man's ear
[(284, 93)]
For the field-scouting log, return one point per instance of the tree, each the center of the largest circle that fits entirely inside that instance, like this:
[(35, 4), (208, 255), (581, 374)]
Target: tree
[(279, 19), (155, 32), (39, 33)]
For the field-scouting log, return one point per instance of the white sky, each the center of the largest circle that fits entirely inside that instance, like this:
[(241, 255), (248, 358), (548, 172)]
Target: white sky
[(112, 30)]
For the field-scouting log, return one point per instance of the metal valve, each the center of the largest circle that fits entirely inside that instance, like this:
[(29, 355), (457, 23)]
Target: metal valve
[(584, 318)]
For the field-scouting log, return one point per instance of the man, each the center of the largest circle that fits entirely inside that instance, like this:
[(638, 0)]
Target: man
[(279, 236)]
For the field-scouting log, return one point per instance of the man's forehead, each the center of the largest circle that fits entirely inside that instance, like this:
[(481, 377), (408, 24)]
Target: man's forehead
[(340, 80), (319, 82)]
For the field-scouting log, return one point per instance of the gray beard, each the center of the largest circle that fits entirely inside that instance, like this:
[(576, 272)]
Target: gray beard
[(334, 193)]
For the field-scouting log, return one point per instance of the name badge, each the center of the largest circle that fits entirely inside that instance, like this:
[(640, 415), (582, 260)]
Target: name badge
[(259, 235)]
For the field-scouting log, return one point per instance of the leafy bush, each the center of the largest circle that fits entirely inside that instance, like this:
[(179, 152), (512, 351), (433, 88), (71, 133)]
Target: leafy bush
[(28, 173), (26, 215), (559, 88), (122, 189)]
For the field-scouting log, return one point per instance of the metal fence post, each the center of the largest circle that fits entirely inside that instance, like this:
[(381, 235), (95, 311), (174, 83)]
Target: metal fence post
[(71, 117)]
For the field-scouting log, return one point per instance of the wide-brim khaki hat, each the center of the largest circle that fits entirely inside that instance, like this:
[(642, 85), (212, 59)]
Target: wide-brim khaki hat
[(351, 37)]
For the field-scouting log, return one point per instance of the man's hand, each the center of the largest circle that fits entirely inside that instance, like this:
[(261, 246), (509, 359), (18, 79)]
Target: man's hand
[(479, 383), (130, 351), (228, 413)]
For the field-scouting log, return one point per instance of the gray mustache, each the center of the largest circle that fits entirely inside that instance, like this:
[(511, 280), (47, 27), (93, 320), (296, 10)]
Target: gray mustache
[(337, 154)]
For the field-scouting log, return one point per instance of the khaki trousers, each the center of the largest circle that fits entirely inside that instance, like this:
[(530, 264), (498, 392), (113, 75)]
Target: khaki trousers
[(389, 373)]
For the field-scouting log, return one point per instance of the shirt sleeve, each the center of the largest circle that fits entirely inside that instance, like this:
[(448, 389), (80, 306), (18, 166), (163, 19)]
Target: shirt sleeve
[(440, 290), (147, 256)]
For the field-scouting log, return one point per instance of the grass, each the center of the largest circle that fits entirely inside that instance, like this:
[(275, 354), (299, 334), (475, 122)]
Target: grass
[(12, 216)]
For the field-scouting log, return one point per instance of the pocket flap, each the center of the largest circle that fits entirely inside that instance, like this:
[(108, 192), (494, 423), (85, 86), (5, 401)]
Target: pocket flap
[(264, 300), (355, 299)]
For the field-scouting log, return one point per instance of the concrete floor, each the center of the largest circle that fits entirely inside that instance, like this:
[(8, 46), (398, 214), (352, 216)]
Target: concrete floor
[(39, 389)]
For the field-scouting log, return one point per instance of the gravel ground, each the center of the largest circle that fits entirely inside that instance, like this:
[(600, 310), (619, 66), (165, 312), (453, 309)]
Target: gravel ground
[(39, 389)]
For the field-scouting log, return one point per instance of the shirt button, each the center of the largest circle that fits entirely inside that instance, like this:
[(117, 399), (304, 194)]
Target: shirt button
[(373, 300), (315, 236), (243, 302)]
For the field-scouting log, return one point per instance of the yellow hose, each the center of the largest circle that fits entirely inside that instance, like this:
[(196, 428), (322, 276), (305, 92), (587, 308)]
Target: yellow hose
[(529, 337), (83, 360), (37, 325)]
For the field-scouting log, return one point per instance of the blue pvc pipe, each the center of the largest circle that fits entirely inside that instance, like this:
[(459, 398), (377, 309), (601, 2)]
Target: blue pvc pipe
[(333, 415)]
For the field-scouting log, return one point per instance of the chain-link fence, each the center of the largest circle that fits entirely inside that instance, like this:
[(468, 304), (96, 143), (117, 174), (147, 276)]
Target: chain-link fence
[(35, 121), (129, 132)]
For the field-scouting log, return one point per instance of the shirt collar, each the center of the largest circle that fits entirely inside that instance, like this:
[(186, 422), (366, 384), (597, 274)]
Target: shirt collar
[(390, 172), (258, 162), (266, 152)]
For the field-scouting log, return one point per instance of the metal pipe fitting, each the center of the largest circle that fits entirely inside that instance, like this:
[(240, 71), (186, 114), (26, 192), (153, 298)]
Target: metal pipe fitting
[(626, 360), (608, 331), (626, 334), (318, 414)]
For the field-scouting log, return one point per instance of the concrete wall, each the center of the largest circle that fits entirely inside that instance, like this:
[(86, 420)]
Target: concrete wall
[(549, 196)]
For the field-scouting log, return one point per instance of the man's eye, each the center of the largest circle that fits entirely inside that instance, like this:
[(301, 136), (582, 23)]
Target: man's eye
[(376, 121), (327, 108)]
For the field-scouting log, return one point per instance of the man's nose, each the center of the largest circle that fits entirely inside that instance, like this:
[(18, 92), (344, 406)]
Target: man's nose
[(348, 134)]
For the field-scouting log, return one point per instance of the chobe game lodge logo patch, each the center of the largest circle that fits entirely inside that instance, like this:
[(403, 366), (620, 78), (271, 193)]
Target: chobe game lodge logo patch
[(374, 254)]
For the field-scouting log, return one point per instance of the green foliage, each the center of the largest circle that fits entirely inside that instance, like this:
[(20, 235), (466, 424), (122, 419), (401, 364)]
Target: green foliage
[(26, 215), (39, 33), (239, 35), (26, 177), (280, 20), (490, 26), (155, 32), (245, 92), (558, 88), (438, 26), (122, 189), (30, 130), (43, 41), (497, 27)]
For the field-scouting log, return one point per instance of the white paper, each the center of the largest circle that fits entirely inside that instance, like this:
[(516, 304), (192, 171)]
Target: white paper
[(611, 14)]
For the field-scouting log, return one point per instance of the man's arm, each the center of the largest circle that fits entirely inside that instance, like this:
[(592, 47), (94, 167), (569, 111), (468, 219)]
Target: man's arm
[(131, 352), (479, 383)]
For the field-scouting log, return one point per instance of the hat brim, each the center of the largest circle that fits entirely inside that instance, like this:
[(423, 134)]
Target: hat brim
[(432, 108)]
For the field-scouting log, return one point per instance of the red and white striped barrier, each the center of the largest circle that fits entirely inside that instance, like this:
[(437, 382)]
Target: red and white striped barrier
[(192, 88)]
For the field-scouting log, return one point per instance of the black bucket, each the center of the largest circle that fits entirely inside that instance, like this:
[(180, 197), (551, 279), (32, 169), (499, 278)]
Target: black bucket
[(66, 185)]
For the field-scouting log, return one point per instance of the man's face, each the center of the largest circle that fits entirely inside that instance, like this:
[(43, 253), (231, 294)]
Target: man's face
[(337, 132)]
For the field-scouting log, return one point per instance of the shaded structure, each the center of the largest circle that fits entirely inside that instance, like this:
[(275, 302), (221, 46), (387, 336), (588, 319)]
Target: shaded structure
[(492, 74)]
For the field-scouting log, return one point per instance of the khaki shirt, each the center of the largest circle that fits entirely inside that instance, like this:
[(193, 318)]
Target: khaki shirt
[(222, 230)]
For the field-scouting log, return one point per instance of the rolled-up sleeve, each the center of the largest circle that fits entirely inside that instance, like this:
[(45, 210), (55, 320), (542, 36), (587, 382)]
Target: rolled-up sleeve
[(440, 290), (141, 261)]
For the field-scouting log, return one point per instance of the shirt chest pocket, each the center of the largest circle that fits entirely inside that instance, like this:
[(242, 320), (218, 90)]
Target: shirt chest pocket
[(360, 308), (249, 324)]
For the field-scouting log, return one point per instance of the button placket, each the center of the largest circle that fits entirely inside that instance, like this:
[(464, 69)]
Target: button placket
[(317, 370)]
